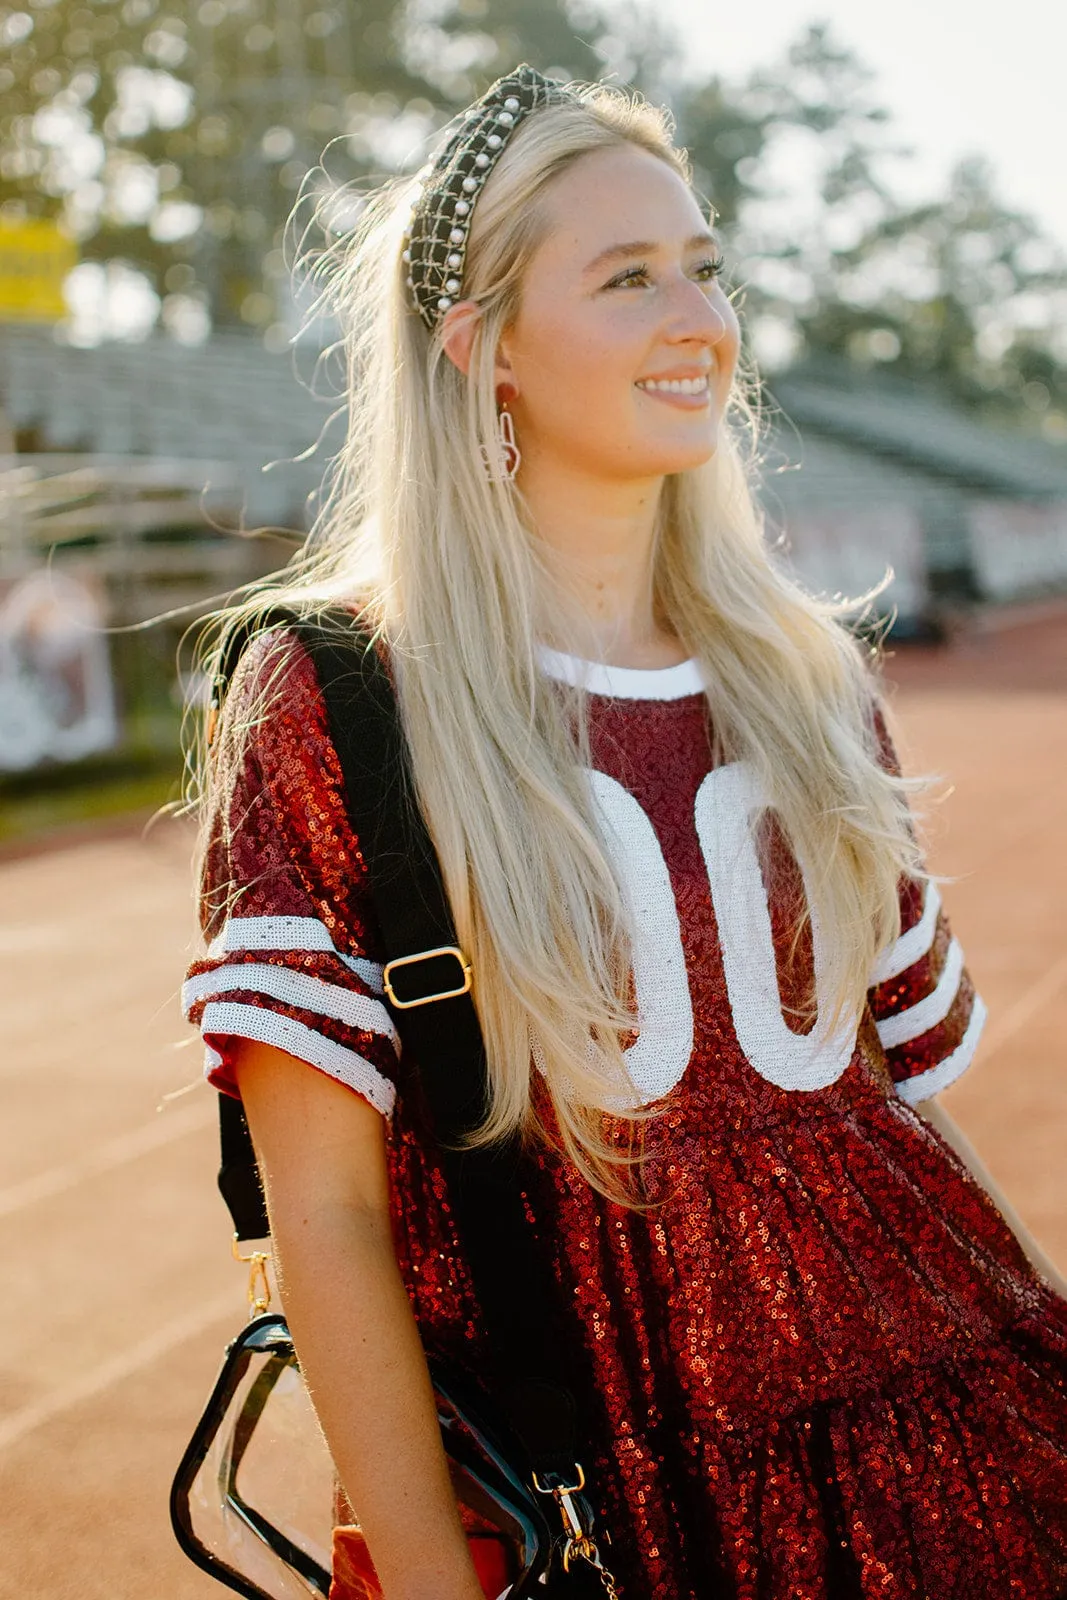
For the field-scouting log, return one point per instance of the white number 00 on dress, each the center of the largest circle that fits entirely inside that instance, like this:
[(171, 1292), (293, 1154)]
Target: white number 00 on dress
[(727, 805)]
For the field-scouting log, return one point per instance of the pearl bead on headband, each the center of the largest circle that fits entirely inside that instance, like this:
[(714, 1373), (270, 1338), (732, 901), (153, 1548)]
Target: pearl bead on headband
[(435, 241)]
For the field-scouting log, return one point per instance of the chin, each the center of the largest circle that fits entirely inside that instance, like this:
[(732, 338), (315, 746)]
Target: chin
[(683, 458)]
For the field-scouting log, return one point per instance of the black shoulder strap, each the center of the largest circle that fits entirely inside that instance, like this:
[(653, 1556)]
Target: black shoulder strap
[(516, 1292)]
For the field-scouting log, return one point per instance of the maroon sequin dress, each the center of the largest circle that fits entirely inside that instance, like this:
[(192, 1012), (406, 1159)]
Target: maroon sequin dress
[(824, 1366)]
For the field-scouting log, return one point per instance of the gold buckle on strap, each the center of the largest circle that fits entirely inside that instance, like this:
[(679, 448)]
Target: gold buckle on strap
[(425, 955)]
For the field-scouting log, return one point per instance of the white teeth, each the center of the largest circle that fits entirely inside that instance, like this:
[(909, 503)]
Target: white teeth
[(676, 385)]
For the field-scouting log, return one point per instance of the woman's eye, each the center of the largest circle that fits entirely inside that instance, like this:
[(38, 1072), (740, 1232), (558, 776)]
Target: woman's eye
[(706, 271), (624, 277), (713, 267)]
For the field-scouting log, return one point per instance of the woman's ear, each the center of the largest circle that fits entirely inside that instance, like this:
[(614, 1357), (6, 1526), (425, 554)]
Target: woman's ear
[(457, 333), (457, 340)]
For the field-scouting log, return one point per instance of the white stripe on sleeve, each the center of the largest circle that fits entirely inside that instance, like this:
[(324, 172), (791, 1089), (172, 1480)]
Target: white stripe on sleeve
[(930, 1010), (934, 1079), (226, 1018), (298, 989), (913, 945), (291, 933)]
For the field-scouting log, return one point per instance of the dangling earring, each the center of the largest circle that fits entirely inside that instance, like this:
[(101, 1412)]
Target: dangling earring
[(508, 446)]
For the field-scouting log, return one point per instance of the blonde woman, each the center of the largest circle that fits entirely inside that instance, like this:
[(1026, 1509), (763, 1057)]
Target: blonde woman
[(716, 988)]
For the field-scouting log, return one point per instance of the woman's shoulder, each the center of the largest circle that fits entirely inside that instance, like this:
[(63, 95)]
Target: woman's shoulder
[(276, 675), (276, 797), (274, 663), (272, 745)]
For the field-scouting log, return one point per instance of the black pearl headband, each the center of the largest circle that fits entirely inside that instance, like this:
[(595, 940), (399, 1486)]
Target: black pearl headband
[(435, 241)]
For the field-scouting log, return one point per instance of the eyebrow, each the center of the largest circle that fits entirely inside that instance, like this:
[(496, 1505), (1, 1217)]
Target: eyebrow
[(643, 247)]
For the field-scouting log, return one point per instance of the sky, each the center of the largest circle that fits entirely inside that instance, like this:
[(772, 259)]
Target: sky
[(960, 77)]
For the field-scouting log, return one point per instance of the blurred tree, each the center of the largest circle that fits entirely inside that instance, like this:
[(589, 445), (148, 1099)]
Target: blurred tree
[(964, 291), (726, 140), (176, 137), (91, 105), (799, 160), (461, 46), (794, 161)]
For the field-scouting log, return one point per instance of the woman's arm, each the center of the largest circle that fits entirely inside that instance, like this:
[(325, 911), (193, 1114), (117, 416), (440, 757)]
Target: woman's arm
[(940, 1120), (322, 1154)]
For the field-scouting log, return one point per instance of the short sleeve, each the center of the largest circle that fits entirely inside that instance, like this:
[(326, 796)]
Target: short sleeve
[(292, 953), (923, 1001)]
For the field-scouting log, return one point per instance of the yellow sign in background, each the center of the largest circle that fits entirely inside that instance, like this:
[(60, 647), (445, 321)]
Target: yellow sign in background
[(35, 257)]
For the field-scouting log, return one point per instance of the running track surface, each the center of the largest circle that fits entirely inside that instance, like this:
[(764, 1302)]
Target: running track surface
[(119, 1290)]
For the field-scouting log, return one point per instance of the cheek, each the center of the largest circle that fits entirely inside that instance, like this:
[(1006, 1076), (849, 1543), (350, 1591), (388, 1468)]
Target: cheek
[(575, 365)]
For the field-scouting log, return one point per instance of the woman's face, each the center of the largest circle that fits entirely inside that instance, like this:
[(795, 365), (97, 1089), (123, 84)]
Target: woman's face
[(619, 293)]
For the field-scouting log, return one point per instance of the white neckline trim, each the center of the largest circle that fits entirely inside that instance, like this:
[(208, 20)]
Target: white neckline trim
[(624, 683)]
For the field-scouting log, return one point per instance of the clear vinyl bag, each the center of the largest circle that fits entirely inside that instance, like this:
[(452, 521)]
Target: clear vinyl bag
[(252, 1500), (255, 1499)]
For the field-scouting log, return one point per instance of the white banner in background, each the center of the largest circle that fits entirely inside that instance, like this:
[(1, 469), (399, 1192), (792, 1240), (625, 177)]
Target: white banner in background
[(847, 551), (1019, 550), (56, 697)]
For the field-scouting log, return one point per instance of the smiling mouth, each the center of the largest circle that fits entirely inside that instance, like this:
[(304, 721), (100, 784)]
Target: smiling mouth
[(674, 385), (690, 394)]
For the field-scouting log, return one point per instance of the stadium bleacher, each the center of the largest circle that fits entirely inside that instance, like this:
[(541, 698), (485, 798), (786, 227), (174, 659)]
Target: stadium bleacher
[(227, 401), (868, 468)]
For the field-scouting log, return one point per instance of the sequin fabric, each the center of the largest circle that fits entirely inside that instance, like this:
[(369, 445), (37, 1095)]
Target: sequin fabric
[(823, 1367)]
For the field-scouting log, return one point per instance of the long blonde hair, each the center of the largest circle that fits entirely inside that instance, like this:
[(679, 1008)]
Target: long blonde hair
[(446, 564)]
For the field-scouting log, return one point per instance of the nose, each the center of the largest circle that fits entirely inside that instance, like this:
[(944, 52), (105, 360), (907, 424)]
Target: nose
[(696, 316)]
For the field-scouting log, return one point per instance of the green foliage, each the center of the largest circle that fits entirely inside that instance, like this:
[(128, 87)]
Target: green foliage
[(176, 137), (962, 291)]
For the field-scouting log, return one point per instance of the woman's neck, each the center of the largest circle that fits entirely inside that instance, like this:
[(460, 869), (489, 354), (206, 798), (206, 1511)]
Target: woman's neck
[(600, 540)]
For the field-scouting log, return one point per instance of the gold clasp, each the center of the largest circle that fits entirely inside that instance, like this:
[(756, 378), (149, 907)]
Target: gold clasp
[(258, 1281), (426, 955), (577, 1542), (561, 1493)]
